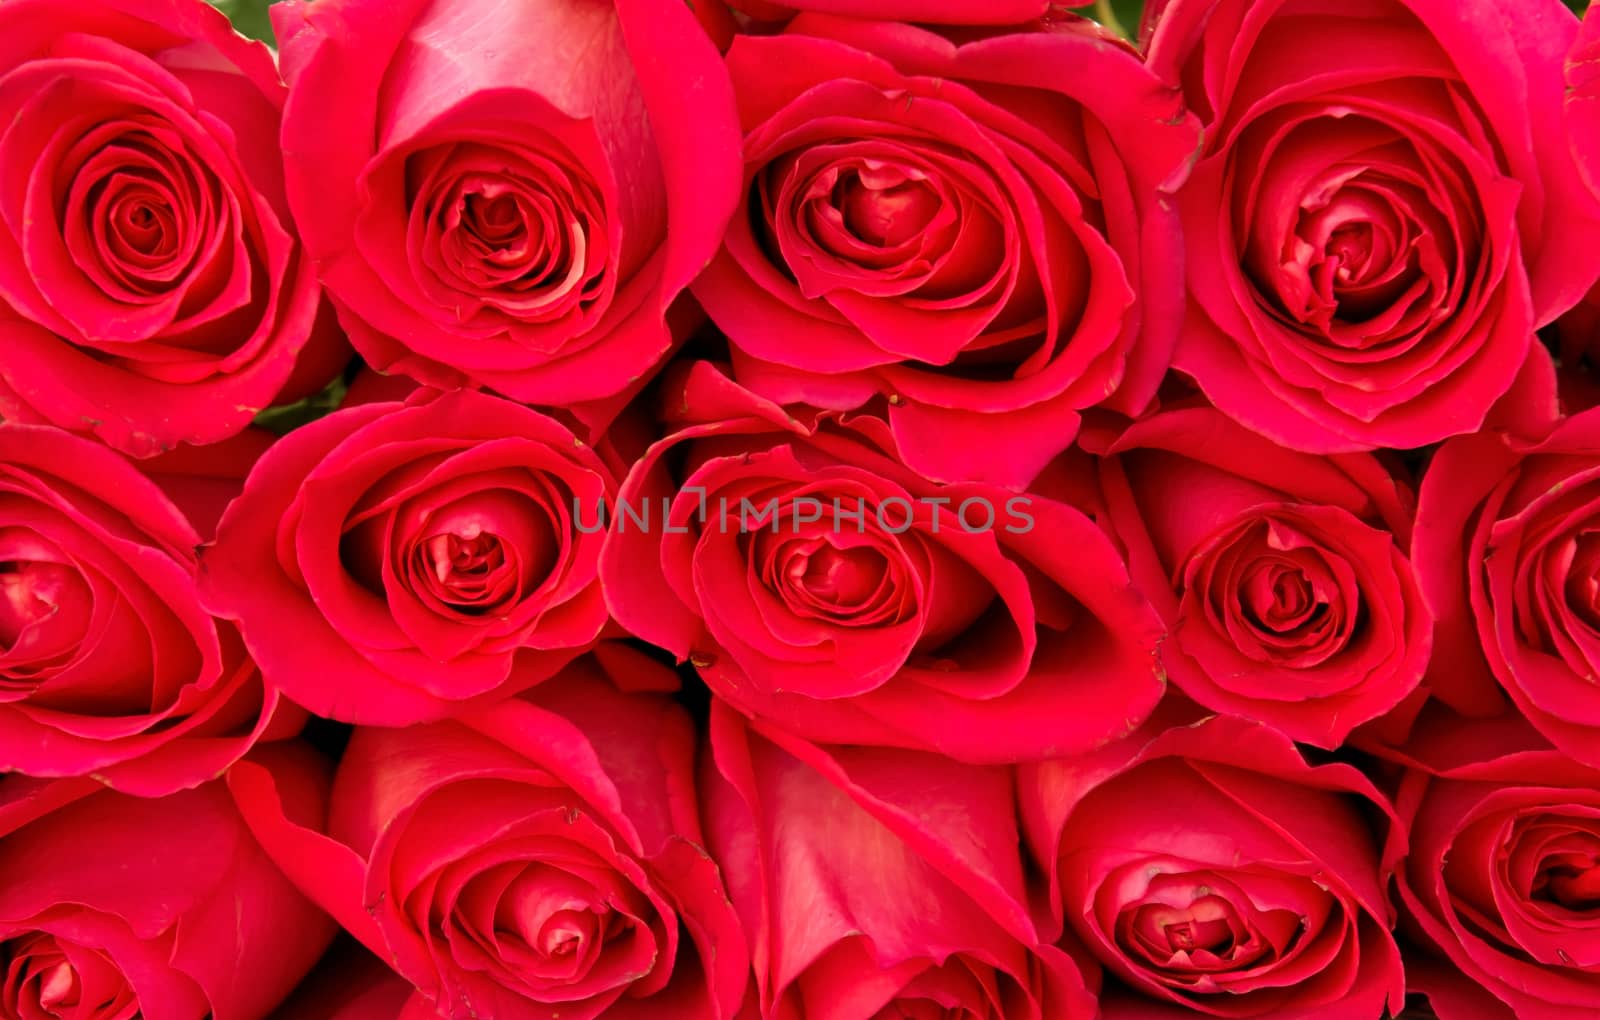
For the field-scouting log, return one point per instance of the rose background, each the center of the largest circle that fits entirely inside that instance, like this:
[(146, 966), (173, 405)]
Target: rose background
[(738, 826)]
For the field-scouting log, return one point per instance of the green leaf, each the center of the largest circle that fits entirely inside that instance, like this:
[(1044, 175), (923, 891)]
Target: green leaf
[(249, 17), (286, 419), (1129, 12)]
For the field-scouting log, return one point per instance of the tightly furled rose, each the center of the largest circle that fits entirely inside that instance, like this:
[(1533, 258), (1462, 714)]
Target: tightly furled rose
[(108, 663), (537, 184), (115, 906), (1282, 576), (1378, 225), (1507, 551), (816, 581), (877, 884), (535, 859), (392, 562), (1504, 872), (1209, 867), (151, 291), (979, 232)]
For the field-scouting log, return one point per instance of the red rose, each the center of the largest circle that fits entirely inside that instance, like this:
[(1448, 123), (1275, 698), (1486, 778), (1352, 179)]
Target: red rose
[(1209, 867), (1508, 555), (879, 884), (391, 562), (116, 906), (108, 663), (534, 860), (1505, 864), (1282, 576), (817, 582), (1384, 212), (152, 292), (538, 183), (981, 233)]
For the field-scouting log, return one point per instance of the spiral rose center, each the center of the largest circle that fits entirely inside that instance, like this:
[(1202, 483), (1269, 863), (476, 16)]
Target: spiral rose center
[(1274, 591), (565, 926), (1279, 598), (498, 232), (1570, 880), (466, 567), (41, 980), (1583, 580), (497, 222), (1350, 253), (883, 205), (834, 580), (44, 603), (136, 212), (1209, 924), (1186, 927)]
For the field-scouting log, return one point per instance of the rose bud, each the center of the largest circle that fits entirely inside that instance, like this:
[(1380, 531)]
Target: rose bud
[(151, 291), (1210, 868), (394, 562), (535, 859), (1504, 864), (108, 663), (118, 906), (1283, 576), (816, 581), (875, 884), (539, 183), (1507, 552), (978, 230), (1377, 226)]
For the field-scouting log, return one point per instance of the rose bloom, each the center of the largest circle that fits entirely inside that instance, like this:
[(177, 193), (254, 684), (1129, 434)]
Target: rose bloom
[(1385, 210), (1505, 864), (108, 663), (877, 884), (1283, 576), (394, 561), (507, 195), (116, 906), (982, 233), (1209, 867), (537, 859), (816, 581), (1507, 552), (150, 289)]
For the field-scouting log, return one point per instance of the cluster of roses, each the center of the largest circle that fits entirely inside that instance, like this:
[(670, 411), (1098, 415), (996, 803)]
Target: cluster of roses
[(1284, 703)]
